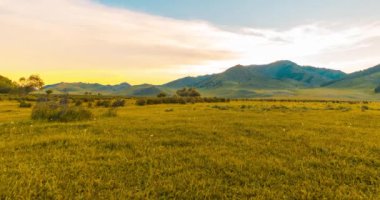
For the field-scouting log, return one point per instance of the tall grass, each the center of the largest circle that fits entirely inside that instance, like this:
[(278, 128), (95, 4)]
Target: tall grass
[(52, 111), (236, 150)]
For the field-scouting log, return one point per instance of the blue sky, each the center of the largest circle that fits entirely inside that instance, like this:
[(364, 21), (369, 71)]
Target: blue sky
[(258, 13)]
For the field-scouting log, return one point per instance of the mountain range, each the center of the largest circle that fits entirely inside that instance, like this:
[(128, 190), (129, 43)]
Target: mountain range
[(281, 78)]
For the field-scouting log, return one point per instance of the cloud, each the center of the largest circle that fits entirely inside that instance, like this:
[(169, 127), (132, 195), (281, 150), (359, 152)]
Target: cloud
[(310, 44), (80, 38)]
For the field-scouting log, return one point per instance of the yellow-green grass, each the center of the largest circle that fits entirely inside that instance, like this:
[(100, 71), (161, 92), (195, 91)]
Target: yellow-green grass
[(258, 150)]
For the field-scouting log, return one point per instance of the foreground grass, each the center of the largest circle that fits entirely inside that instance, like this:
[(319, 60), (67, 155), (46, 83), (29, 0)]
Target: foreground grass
[(262, 150)]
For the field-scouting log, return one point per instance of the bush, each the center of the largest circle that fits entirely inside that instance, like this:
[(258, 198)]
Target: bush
[(118, 103), (188, 92), (377, 89), (169, 110), (140, 102), (364, 108), (112, 112), (78, 103), (221, 107), (24, 104), (104, 103), (162, 94), (52, 111)]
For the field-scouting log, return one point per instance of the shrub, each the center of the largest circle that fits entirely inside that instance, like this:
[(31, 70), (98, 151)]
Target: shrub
[(24, 104), (377, 89), (140, 102), (118, 103), (221, 107), (112, 112), (78, 103), (179, 100), (52, 111), (31, 98), (364, 108), (162, 94), (188, 92), (104, 103)]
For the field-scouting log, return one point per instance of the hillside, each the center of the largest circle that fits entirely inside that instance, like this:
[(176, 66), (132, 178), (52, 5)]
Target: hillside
[(81, 88), (277, 75), (366, 79), (123, 89), (283, 79)]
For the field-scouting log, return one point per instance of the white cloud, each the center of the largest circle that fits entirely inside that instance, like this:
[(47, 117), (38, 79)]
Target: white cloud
[(59, 35)]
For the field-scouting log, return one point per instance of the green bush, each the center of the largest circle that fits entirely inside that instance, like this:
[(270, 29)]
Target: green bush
[(78, 103), (179, 100), (24, 104), (52, 111), (364, 108), (118, 103), (188, 92), (169, 110), (377, 89), (104, 103), (162, 94), (140, 102)]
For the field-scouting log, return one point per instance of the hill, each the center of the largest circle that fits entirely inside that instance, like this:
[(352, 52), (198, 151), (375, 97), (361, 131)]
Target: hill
[(283, 79), (277, 75), (81, 88), (123, 89), (365, 79)]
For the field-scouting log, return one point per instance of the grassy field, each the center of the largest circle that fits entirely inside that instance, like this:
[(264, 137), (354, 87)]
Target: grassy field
[(236, 150)]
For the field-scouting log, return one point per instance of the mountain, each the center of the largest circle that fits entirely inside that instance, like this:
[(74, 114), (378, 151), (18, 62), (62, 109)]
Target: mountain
[(284, 79), (81, 88), (280, 78), (277, 75), (124, 89), (366, 79)]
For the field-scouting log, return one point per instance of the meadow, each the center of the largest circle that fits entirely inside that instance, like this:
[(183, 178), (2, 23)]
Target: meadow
[(228, 150)]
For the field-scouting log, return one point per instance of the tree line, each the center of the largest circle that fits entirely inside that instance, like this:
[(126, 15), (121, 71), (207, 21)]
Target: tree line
[(23, 86)]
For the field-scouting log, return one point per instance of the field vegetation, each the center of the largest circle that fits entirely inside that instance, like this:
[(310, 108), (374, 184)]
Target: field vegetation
[(262, 149)]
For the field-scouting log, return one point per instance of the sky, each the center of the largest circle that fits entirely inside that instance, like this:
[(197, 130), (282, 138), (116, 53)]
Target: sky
[(145, 41)]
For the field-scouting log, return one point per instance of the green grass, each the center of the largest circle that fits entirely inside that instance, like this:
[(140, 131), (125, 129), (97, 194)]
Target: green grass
[(260, 150)]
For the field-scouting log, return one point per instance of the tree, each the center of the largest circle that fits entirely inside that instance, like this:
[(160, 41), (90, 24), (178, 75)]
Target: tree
[(193, 93), (162, 95), (6, 85), (33, 83), (188, 92), (377, 89), (48, 92)]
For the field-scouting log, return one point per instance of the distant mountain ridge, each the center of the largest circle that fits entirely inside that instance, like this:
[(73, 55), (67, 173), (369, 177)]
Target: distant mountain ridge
[(279, 78), (368, 78), (80, 87), (277, 75)]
